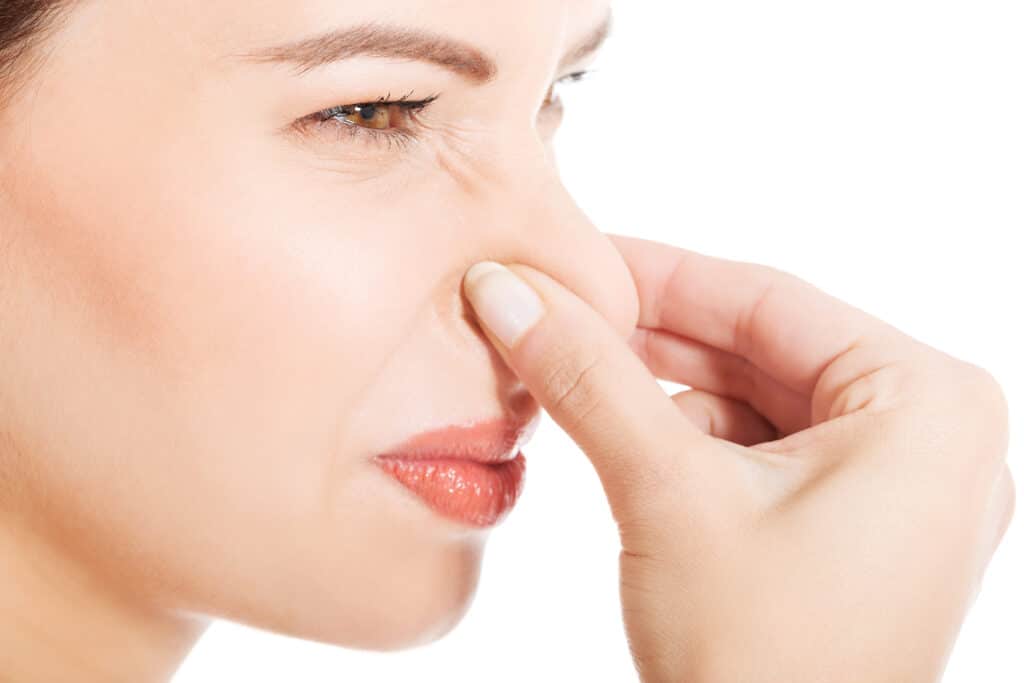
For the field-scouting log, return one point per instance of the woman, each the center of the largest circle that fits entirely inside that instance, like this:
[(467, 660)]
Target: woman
[(239, 324)]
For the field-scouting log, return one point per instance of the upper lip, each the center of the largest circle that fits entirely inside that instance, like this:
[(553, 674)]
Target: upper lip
[(487, 441)]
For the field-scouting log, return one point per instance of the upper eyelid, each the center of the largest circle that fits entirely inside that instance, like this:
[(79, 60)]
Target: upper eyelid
[(409, 105), (420, 103), (413, 106)]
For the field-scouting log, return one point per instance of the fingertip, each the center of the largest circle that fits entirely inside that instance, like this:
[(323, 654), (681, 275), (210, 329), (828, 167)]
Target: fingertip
[(503, 301)]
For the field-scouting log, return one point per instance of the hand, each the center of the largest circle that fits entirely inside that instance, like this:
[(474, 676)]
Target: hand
[(820, 506)]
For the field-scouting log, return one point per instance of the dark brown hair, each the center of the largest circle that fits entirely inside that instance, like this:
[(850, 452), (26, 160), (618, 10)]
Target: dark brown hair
[(23, 25)]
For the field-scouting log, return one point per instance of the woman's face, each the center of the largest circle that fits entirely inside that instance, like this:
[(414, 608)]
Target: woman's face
[(213, 319)]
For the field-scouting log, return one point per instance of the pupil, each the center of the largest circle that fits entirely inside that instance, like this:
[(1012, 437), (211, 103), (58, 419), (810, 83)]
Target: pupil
[(367, 111)]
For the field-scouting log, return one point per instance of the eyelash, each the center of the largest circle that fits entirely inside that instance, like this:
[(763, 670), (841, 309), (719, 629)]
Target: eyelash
[(396, 136), (392, 137)]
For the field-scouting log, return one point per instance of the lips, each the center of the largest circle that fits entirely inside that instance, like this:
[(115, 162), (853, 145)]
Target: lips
[(471, 474)]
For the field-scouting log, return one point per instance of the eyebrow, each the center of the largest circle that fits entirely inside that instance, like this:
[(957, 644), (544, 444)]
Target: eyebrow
[(382, 40)]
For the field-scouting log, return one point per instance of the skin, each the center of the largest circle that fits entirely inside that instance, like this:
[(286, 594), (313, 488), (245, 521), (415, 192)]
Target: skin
[(208, 328)]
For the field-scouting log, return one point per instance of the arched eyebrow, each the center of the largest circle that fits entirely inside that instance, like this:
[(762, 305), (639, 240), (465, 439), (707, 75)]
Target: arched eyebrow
[(398, 42)]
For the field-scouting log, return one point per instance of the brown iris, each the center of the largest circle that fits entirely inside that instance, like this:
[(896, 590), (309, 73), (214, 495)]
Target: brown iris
[(369, 115)]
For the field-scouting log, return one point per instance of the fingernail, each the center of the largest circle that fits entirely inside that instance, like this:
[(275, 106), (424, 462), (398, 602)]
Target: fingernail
[(500, 298)]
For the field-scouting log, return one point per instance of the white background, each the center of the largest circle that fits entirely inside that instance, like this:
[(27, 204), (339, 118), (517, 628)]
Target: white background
[(873, 148)]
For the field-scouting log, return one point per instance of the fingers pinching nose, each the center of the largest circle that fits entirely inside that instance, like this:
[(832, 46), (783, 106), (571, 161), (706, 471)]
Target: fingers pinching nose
[(505, 304)]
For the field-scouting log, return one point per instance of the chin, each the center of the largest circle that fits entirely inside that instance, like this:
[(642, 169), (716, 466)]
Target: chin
[(396, 606), (406, 631), (424, 615)]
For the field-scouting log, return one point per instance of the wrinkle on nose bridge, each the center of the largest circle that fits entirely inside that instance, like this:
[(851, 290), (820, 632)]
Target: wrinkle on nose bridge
[(462, 178), (490, 160)]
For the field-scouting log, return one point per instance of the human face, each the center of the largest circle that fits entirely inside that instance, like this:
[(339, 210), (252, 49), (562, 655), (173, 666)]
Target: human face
[(214, 320)]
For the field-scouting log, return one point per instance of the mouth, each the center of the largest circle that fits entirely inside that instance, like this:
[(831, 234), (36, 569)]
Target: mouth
[(472, 474)]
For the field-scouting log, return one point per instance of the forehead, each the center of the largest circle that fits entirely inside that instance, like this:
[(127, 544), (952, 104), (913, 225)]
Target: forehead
[(221, 25)]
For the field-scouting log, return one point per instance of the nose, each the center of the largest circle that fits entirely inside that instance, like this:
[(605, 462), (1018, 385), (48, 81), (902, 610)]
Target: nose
[(524, 214)]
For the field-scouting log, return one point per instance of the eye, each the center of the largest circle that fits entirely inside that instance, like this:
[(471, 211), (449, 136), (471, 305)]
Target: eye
[(391, 122), (552, 98), (384, 121)]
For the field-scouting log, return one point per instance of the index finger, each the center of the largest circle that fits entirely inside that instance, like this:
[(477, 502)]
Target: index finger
[(784, 325)]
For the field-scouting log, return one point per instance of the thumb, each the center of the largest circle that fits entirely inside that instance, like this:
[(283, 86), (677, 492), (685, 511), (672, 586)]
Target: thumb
[(592, 383)]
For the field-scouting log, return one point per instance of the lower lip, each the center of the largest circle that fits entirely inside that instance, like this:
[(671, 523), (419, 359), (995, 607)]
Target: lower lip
[(473, 493)]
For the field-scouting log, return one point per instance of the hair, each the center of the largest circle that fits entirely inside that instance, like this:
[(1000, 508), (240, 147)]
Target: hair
[(23, 26)]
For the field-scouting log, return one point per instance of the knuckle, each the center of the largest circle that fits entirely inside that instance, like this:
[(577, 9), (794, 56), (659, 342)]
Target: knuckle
[(639, 533), (865, 376), (783, 280), (769, 273), (567, 382), (988, 387), (983, 394), (866, 390), (968, 413)]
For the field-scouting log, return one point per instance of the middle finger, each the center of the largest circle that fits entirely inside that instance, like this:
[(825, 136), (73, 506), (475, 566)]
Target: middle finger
[(785, 326), (686, 361)]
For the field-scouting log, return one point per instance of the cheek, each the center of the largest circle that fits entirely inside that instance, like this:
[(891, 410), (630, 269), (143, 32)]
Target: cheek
[(201, 343), (93, 257)]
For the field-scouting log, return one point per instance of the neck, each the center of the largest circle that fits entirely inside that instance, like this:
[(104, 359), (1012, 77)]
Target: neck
[(60, 622)]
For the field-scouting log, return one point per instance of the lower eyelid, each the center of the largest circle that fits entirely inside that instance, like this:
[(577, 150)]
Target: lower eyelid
[(372, 136)]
